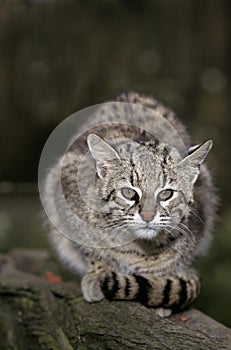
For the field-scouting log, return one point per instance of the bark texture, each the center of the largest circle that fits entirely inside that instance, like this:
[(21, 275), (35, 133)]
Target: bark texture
[(38, 314)]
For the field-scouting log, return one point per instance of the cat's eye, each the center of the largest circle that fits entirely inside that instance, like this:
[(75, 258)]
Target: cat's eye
[(130, 194), (165, 195)]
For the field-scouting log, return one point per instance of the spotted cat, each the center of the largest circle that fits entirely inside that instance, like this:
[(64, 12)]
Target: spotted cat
[(136, 220)]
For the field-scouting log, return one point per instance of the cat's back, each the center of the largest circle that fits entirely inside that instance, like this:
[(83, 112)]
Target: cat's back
[(134, 116), (149, 102)]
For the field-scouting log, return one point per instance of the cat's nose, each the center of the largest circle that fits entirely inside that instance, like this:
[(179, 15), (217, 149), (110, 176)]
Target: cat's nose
[(147, 215)]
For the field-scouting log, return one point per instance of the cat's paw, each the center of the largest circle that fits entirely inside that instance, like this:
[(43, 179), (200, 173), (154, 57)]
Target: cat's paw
[(163, 312), (91, 288)]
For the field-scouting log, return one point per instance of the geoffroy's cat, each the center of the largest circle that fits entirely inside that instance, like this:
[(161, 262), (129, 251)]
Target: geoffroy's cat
[(134, 213)]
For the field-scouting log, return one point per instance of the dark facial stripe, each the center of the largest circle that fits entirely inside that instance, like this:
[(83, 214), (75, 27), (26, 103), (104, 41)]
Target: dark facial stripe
[(109, 196), (143, 289), (132, 175), (165, 155), (131, 178), (166, 292), (137, 176), (110, 294)]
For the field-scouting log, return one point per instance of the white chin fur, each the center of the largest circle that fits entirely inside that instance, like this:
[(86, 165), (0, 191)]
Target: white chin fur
[(146, 233)]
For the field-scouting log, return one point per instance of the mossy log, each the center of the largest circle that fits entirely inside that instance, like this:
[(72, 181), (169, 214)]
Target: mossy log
[(38, 314)]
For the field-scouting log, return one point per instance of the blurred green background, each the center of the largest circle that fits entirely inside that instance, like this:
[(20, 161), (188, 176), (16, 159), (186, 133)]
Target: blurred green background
[(57, 57)]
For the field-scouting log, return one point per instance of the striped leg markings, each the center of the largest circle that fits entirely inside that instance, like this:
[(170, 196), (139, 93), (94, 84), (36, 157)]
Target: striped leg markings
[(166, 292), (124, 287), (127, 287), (110, 286), (173, 292), (183, 292), (143, 289)]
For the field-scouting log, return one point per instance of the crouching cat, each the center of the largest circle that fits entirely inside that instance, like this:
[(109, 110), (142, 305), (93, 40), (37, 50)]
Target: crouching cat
[(141, 216)]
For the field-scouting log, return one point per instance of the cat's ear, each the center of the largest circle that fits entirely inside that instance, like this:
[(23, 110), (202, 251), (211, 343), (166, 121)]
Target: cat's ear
[(196, 156), (102, 152)]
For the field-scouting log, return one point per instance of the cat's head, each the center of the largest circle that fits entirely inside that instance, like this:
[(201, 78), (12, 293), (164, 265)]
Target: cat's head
[(148, 187)]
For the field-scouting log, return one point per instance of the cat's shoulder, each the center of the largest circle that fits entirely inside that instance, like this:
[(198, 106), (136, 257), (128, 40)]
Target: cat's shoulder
[(159, 107)]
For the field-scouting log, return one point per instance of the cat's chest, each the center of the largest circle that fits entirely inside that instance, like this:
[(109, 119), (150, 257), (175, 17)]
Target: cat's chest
[(133, 262)]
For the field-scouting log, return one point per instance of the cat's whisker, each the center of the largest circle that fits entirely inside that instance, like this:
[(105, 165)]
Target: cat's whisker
[(122, 223), (171, 233), (193, 211), (184, 231)]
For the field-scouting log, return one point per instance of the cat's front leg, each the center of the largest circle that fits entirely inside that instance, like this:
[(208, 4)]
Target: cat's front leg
[(91, 282), (117, 286), (100, 282), (163, 293)]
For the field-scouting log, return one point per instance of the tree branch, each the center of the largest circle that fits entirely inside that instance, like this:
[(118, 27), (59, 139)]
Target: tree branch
[(38, 314)]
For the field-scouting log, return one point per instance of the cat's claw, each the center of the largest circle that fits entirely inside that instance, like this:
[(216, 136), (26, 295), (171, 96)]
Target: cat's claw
[(91, 289)]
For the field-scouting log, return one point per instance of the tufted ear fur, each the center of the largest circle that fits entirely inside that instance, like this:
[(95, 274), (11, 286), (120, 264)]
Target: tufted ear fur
[(196, 156), (102, 152)]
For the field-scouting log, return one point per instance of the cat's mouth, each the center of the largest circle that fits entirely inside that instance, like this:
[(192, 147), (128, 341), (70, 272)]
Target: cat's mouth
[(146, 232)]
